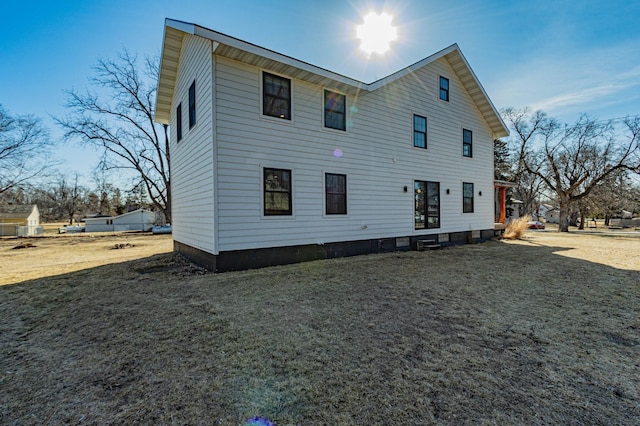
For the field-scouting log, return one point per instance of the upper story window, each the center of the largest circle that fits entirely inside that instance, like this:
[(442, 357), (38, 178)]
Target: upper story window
[(276, 96), (335, 110), (467, 143), (467, 197), (192, 104), (335, 188), (179, 121), (277, 192), (419, 131), (444, 89), (427, 204)]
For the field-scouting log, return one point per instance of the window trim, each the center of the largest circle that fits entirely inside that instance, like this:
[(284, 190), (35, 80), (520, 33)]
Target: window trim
[(427, 224), (447, 90), (289, 212), (264, 97), (464, 210), (426, 127), (179, 122), (345, 195), (325, 92), (192, 105), (465, 144)]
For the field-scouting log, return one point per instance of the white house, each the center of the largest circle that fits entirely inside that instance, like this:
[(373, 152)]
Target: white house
[(20, 220), (275, 160), (137, 220)]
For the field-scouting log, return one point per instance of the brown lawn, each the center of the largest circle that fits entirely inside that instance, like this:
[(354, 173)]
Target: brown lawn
[(540, 331)]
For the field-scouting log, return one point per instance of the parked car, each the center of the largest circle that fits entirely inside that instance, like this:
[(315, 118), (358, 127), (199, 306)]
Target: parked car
[(535, 224)]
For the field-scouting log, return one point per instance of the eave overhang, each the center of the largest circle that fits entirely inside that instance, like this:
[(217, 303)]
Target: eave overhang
[(257, 56)]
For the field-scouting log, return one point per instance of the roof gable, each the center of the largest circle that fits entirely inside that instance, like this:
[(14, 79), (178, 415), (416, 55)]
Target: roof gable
[(252, 54)]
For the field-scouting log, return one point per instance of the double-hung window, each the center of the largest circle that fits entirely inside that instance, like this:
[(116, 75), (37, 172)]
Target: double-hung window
[(335, 110), (335, 188), (444, 89), (427, 204), (277, 192), (192, 104), (276, 96), (467, 197), (179, 121), (419, 131), (467, 143)]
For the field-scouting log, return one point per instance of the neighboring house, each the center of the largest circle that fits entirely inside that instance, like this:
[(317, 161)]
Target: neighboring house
[(137, 220), (544, 211), (515, 207), (274, 160), (19, 220), (552, 215)]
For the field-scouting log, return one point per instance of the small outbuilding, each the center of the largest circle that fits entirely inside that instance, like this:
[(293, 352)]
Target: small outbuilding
[(137, 220), (19, 220)]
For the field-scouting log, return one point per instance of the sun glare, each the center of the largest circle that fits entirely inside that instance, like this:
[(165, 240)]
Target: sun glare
[(376, 33)]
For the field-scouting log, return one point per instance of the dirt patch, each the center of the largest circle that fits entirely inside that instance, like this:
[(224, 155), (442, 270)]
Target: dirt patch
[(24, 245), (537, 331)]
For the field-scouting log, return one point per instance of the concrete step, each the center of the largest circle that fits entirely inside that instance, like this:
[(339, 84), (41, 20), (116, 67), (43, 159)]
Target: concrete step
[(427, 245)]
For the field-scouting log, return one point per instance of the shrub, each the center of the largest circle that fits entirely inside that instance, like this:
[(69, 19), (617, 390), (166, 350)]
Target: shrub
[(516, 228)]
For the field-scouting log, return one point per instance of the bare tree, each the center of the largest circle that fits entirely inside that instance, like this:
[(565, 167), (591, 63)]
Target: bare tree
[(573, 159), (120, 122), (24, 144), (530, 188), (613, 195), (67, 197)]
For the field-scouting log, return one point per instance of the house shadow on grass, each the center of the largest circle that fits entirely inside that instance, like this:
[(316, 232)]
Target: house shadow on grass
[(493, 332)]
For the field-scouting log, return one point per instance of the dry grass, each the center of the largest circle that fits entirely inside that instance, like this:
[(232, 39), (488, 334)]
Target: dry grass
[(534, 331), (60, 254), (516, 228)]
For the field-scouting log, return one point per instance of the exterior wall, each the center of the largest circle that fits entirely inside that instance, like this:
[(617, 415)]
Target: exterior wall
[(97, 225), (552, 216), (378, 158), (192, 167), (33, 221), (141, 220), (100, 226)]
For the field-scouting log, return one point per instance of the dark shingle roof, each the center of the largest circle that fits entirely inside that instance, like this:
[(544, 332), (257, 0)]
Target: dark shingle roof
[(15, 210)]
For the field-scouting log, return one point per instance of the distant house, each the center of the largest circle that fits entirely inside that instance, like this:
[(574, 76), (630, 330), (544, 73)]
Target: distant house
[(137, 220), (552, 215), (275, 160), (19, 220)]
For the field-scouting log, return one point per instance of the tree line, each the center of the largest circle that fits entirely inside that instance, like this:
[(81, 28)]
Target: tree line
[(589, 167), (64, 199)]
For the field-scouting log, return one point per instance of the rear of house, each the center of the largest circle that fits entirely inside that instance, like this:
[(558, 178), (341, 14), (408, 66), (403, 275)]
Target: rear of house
[(274, 160)]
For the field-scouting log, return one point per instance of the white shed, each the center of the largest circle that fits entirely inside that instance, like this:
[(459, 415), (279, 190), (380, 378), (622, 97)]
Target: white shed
[(137, 220), (20, 220)]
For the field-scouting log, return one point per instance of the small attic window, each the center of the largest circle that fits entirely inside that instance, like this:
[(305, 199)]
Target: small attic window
[(179, 121), (192, 104), (444, 89)]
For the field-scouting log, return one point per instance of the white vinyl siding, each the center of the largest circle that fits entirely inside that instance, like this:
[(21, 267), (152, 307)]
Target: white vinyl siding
[(192, 165), (376, 156)]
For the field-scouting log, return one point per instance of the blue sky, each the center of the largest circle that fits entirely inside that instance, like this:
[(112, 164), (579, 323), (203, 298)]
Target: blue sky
[(564, 57)]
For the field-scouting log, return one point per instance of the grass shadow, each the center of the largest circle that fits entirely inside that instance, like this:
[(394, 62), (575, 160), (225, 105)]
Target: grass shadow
[(479, 333)]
